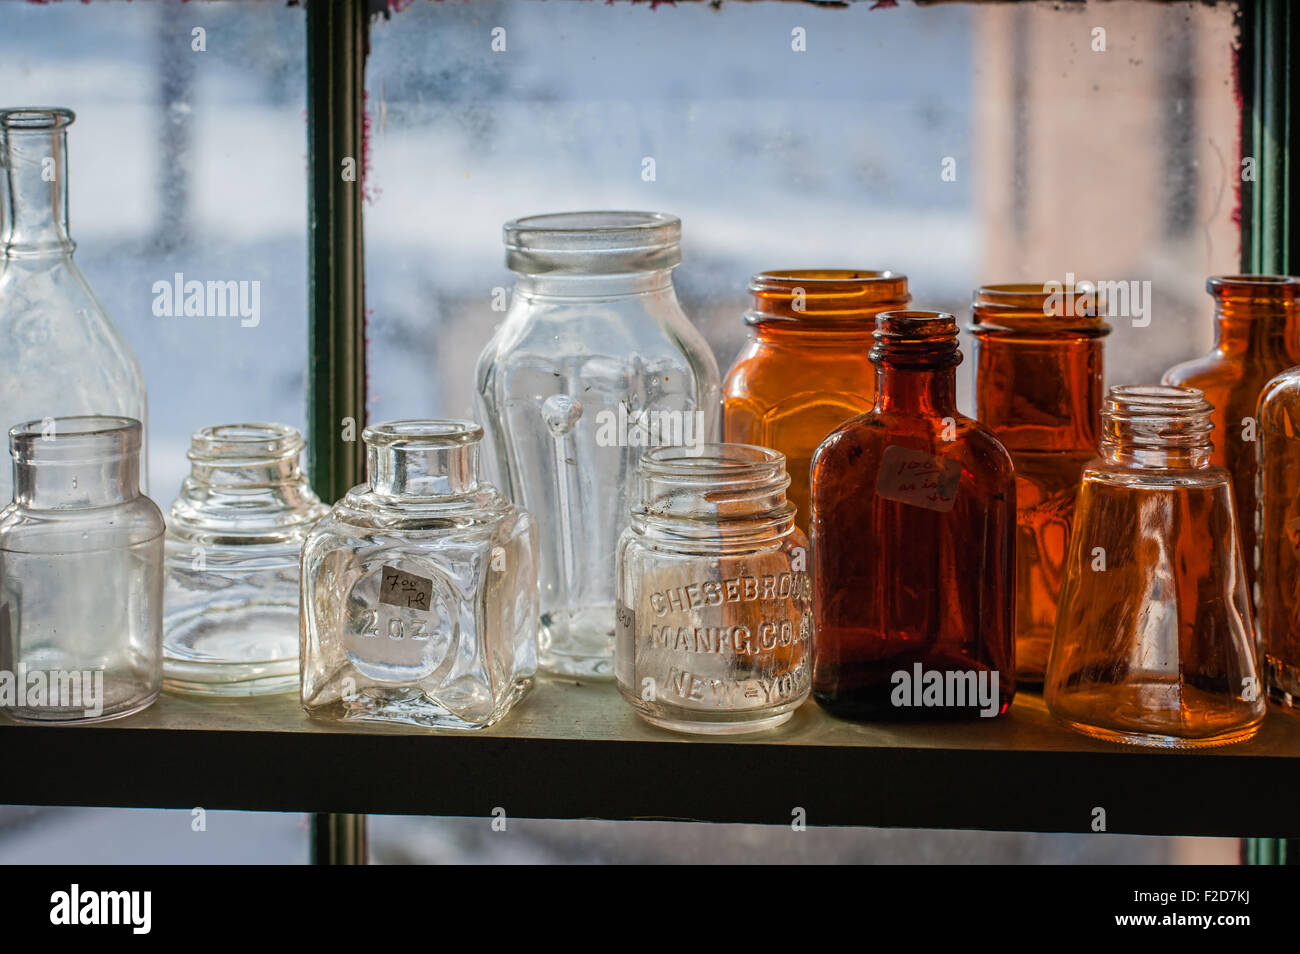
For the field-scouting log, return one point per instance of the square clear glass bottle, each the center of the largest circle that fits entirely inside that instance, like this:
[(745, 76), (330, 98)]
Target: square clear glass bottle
[(419, 589)]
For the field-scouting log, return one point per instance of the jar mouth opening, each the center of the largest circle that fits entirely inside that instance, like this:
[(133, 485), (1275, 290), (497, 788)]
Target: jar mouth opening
[(36, 117), (710, 461), (597, 242), (1155, 401), (1253, 287), (825, 295), (1044, 307), (74, 439), (423, 434), (245, 440)]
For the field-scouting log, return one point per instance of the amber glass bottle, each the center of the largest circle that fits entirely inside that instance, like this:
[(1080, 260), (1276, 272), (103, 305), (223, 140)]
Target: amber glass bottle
[(805, 369), (1277, 549), (1154, 643), (913, 537), (1257, 336), (1038, 388)]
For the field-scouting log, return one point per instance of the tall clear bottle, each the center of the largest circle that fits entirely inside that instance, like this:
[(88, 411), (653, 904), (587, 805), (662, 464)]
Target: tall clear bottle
[(594, 363), (61, 354), (1154, 643)]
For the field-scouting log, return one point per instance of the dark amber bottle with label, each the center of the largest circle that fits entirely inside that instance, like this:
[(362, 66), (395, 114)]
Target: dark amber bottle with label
[(805, 369), (1038, 388), (913, 537), (1257, 336)]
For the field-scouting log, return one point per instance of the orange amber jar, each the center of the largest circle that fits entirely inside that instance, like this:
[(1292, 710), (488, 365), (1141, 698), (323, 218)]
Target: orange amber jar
[(1257, 336), (806, 369), (1039, 388)]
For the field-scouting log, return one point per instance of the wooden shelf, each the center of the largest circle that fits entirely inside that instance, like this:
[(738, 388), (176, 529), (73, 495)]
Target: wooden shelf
[(577, 751)]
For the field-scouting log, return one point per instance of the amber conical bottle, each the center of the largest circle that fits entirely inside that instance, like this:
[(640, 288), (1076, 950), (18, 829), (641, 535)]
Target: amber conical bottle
[(805, 369), (1154, 643), (913, 537)]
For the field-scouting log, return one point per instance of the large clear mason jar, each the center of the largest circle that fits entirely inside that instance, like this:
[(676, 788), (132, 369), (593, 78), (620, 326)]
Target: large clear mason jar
[(234, 540), (594, 363), (81, 576), (714, 597), (419, 588), (61, 353)]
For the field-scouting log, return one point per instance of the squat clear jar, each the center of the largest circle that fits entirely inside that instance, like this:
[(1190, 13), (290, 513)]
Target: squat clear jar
[(714, 629), (234, 540)]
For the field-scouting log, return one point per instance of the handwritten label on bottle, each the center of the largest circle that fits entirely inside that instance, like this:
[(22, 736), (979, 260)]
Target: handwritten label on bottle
[(919, 479), (406, 590)]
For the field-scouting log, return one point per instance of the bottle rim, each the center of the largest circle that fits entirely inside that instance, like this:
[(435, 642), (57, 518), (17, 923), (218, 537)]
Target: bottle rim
[(244, 441), (1036, 309), (825, 295), (87, 437), (1253, 287), (422, 434), (711, 461), (36, 117), (593, 242)]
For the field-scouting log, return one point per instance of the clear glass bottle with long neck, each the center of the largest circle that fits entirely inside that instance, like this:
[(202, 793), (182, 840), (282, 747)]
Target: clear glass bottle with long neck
[(594, 363), (805, 369), (1256, 337), (60, 352), (913, 538), (1154, 643), (1039, 387)]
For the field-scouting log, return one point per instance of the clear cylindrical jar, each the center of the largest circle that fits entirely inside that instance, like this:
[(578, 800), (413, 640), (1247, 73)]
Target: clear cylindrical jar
[(81, 578), (714, 596), (1038, 388), (234, 538), (806, 368), (1154, 643), (594, 363)]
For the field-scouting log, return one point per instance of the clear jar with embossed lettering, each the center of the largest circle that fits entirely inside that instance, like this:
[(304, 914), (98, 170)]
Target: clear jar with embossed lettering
[(419, 589), (714, 627)]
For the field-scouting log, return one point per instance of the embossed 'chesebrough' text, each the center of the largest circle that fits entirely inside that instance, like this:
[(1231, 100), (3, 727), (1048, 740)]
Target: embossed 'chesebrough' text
[(737, 589)]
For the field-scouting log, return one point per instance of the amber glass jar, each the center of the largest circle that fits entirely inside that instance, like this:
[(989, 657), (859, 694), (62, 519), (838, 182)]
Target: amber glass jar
[(805, 370), (1277, 550), (913, 537), (1257, 336), (1038, 388)]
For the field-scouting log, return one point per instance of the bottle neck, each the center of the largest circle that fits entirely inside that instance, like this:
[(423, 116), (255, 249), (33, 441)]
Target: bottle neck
[(1157, 428), (568, 285), (35, 210), (423, 459), (926, 392), (73, 463), (1257, 329)]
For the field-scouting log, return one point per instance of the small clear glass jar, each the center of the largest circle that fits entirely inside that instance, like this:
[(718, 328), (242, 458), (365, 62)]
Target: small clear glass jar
[(594, 363), (714, 596), (81, 574), (234, 541), (419, 589)]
